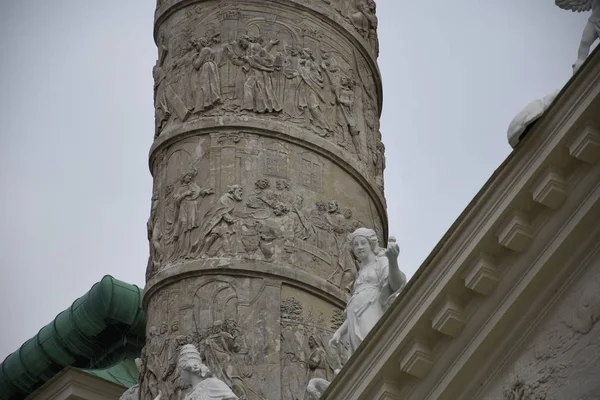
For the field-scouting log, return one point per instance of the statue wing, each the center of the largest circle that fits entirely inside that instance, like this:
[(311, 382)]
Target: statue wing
[(575, 5)]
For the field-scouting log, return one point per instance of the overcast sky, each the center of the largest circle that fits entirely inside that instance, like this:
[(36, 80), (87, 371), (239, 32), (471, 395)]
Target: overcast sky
[(77, 121)]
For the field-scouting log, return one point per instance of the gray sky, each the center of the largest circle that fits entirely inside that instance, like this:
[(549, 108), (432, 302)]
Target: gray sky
[(78, 120)]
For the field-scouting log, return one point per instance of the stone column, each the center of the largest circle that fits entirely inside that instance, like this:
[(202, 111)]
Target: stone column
[(267, 153)]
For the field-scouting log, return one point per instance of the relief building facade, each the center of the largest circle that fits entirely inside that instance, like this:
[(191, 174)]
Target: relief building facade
[(266, 155)]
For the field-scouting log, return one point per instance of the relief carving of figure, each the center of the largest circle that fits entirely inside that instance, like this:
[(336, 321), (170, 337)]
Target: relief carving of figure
[(205, 83), (323, 238), (167, 103), (318, 363), (187, 219), (154, 238), (220, 349), (217, 226), (203, 383), (365, 22), (378, 283), (260, 201), (292, 83), (258, 64), (303, 229), (378, 162), (344, 99), (152, 355), (310, 93), (344, 263)]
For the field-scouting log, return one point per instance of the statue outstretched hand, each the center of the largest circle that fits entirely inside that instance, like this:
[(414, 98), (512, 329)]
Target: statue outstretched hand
[(393, 250)]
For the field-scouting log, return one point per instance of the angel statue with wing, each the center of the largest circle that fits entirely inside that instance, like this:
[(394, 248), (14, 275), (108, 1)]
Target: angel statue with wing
[(591, 31)]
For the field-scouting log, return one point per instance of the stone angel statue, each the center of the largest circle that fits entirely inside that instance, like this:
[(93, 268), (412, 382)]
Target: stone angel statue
[(591, 32), (378, 283)]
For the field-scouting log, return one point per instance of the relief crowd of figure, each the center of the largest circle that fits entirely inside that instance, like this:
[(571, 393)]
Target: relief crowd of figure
[(271, 222), (287, 81), (225, 361)]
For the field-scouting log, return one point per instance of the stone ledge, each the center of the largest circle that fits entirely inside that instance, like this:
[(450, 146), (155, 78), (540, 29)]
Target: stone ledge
[(551, 189), (417, 360), (586, 146), (449, 318), (516, 234), (483, 275)]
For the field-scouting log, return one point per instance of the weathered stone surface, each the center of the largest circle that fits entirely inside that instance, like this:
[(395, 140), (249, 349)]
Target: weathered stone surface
[(267, 154), (561, 358)]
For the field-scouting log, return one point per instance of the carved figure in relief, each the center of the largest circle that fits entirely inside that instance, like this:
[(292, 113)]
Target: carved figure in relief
[(365, 22), (378, 162), (151, 357), (167, 103), (591, 32), (187, 220), (261, 199), (344, 263), (378, 283), (259, 63), (217, 226), (318, 363), (205, 83), (292, 83), (204, 385), (221, 349), (323, 238), (154, 237), (344, 98), (310, 92)]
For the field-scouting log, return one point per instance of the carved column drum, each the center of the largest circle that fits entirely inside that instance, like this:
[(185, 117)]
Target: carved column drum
[(267, 153)]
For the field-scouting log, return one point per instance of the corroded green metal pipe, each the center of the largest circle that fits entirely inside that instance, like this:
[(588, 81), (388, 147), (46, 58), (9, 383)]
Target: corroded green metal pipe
[(103, 327)]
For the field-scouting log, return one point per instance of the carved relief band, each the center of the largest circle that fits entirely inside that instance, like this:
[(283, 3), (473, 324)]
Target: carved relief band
[(266, 155)]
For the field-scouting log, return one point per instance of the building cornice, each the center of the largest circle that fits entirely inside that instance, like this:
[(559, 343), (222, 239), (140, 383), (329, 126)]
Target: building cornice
[(468, 277)]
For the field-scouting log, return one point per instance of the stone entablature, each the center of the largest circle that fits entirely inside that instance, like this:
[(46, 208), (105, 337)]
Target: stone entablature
[(527, 234)]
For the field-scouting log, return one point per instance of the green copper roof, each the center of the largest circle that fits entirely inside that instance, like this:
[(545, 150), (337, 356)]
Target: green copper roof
[(124, 373), (101, 329)]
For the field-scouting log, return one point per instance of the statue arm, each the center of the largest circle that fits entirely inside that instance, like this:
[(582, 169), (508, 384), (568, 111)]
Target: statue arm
[(396, 278), (342, 330)]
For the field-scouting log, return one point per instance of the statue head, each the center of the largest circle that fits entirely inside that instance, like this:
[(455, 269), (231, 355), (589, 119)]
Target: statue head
[(280, 209), (190, 364), (244, 42), (189, 176), (262, 184), (164, 328), (333, 206), (282, 184), (236, 192), (347, 213), (321, 206), (364, 243), (312, 342), (175, 326)]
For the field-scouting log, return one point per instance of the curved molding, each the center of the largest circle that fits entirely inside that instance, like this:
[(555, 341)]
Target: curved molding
[(245, 268), (275, 129), (330, 19)]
